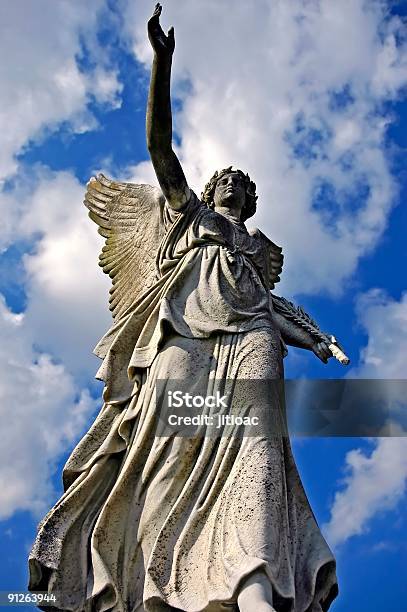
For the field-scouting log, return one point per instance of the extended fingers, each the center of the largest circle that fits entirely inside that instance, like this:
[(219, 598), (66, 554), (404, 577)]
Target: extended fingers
[(322, 351), (171, 37), (325, 351), (162, 44), (155, 17)]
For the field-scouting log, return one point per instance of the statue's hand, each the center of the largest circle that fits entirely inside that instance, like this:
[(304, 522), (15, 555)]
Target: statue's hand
[(162, 44), (321, 350)]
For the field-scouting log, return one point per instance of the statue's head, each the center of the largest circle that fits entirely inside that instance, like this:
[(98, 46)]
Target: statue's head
[(231, 188)]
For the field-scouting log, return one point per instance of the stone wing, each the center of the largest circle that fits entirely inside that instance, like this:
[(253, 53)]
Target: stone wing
[(275, 263), (274, 258), (130, 218)]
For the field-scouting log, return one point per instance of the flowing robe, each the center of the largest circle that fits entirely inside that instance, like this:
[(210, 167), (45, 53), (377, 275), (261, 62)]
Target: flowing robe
[(160, 522)]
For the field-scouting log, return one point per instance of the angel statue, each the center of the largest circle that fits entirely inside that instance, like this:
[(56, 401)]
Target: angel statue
[(199, 523)]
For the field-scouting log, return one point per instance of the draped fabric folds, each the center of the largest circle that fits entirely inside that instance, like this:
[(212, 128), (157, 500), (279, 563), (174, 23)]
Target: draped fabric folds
[(168, 522)]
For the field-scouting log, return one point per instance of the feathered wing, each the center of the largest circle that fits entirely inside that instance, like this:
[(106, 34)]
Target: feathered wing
[(130, 217), (275, 263), (275, 258)]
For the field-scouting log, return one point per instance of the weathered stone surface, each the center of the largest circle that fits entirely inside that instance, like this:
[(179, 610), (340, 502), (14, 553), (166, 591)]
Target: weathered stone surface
[(153, 522)]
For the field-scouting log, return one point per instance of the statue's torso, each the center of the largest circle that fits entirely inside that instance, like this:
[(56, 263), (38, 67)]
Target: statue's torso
[(221, 284)]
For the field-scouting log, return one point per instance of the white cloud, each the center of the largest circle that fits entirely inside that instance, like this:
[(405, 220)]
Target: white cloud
[(105, 87), (41, 81), (45, 354), (385, 321), (375, 481), (264, 82), (67, 293), (261, 85), (42, 411)]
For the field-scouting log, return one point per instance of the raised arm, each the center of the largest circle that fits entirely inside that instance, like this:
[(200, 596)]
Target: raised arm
[(159, 118)]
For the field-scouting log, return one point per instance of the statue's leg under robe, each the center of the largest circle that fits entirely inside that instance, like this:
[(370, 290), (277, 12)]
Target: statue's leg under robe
[(256, 592)]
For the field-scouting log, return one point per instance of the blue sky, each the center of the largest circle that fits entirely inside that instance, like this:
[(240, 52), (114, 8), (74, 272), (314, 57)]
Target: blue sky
[(312, 106)]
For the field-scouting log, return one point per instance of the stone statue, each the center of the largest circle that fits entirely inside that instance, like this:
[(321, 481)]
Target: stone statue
[(172, 522)]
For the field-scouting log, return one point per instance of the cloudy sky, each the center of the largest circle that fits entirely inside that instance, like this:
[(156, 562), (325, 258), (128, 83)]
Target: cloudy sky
[(305, 95)]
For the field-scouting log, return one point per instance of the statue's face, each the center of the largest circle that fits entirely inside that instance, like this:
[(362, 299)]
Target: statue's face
[(230, 192)]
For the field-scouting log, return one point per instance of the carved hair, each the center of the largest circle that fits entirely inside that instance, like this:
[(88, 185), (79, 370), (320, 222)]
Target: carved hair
[(250, 205)]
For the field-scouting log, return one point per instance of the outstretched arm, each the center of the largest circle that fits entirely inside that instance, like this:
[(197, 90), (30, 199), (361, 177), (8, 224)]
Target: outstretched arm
[(159, 118), (297, 328), (294, 335)]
